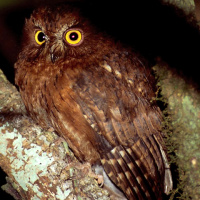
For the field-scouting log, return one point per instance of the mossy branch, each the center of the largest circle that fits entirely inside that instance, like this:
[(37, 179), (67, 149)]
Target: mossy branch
[(182, 123)]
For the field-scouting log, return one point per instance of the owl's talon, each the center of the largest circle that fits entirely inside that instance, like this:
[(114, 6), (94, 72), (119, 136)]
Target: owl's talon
[(98, 177), (87, 170), (100, 180)]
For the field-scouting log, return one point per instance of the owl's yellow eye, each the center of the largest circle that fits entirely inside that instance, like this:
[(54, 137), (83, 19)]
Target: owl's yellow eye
[(74, 37), (40, 37)]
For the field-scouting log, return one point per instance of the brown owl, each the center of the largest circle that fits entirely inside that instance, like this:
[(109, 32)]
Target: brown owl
[(97, 94)]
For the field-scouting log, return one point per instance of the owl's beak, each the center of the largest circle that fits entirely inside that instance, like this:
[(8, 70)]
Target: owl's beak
[(53, 57), (53, 54)]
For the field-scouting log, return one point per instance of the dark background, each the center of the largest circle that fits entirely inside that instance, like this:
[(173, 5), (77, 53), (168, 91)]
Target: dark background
[(153, 29)]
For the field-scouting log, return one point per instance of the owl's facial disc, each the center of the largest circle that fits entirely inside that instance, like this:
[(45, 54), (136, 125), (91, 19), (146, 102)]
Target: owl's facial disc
[(71, 37)]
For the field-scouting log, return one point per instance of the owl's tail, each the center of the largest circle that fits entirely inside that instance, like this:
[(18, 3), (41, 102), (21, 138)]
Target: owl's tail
[(137, 170)]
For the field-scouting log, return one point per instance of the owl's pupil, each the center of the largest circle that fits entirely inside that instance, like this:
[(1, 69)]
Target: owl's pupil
[(41, 37), (73, 36)]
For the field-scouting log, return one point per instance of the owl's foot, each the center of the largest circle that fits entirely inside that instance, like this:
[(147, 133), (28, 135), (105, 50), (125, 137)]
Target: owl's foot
[(98, 177), (87, 171)]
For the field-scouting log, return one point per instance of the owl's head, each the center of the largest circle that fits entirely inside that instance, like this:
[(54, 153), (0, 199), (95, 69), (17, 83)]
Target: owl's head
[(56, 33)]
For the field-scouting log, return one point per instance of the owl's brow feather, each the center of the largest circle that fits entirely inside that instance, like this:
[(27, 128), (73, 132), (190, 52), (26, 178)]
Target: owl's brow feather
[(52, 25)]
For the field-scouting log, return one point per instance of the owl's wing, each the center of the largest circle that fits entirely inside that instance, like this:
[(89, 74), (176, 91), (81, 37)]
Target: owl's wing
[(114, 98)]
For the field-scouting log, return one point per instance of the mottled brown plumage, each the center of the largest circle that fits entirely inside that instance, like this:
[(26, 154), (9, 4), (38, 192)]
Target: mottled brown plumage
[(97, 95)]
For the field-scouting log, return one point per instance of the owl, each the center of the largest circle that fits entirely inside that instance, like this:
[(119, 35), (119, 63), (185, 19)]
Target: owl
[(98, 95)]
